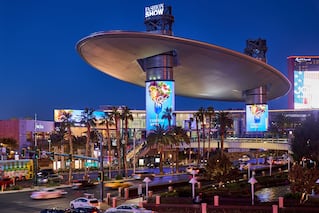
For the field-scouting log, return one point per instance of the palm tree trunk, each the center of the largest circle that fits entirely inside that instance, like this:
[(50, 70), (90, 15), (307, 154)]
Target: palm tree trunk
[(71, 159), (176, 159), (198, 146), (109, 149), (87, 146), (161, 160)]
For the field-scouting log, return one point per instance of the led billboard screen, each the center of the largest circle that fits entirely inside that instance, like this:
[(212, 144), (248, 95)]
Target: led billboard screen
[(306, 89), (256, 118), (76, 116), (303, 71), (160, 97)]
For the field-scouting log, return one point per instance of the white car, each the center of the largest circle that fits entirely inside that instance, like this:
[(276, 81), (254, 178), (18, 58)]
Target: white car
[(132, 208), (83, 202), (47, 193)]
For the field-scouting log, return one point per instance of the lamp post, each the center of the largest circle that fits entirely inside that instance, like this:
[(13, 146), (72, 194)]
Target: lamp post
[(134, 145), (252, 182), (35, 155), (101, 141), (146, 180), (270, 164), (193, 181)]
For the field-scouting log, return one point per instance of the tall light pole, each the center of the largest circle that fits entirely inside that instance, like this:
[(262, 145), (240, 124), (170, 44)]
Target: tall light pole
[(35, 155), (134, 144), (101, 166)]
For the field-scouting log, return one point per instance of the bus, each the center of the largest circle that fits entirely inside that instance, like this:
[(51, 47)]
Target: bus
[(17, 169)]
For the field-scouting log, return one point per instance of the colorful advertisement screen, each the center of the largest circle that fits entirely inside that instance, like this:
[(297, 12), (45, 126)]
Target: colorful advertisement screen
[(76, 116), (256, 118), (160, 98), (306, 89)]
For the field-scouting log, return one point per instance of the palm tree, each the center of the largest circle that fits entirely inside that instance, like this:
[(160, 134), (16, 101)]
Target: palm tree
[(224, 122), (190, 121), (88, 120), (196, 116), (161, 138), (201, 118), (181, 137), (115, 115), (210, 113), (126, 116), (65, 129), (108, 121), (167, 114)]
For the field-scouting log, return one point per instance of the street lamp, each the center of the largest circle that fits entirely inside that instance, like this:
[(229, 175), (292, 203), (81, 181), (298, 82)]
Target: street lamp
[(134, 146), (270, 161), (252, 182), (146, 180)]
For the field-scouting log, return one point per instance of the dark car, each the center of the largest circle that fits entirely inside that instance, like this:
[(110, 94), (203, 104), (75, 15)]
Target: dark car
[(87, 209), (82, 184), (51, 178), (54, 210)]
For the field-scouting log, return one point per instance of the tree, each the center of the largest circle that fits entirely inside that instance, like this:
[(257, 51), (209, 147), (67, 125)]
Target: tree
[(196, 116), (225, 122), (210, 113), (65, 130), (201, 117), (167, 114), (181, 137), (219, 168), (108, 121), (88, 120), (126, 116), (303, 178), (160, 138), (115, 115), (306, 140), (10, 143)]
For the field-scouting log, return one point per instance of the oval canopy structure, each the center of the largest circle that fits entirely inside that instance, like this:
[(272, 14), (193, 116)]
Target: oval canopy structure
[(203, 70)]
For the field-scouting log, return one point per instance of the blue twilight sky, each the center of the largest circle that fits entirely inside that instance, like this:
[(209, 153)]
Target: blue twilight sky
[(41, 70)]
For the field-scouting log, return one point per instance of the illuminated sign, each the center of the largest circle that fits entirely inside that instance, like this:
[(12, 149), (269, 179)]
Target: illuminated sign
[(154, 10), (256, 118), (77, 115), (299, 60), (160, 98), (306, 89)]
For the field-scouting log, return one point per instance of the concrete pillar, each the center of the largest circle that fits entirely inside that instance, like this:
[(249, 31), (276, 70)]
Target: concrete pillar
[(120, 192), (158, 200), (281, 202), (126, 193), (204, 207), (114, 201), (216, 200), (108, 198)]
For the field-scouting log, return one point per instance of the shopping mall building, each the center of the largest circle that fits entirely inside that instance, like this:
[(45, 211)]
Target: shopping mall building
[(165, 65)]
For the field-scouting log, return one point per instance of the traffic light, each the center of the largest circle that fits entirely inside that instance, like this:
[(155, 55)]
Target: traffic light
[(23, 152), (100, 176), (52, 156), (37, 154)]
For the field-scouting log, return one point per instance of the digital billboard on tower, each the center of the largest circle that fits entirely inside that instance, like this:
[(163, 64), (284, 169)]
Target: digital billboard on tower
[(257, 117), (303, 73), (160, 98)]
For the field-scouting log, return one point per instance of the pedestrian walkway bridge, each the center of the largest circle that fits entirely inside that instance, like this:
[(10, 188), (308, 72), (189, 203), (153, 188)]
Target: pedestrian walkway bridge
[(232, 144)]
